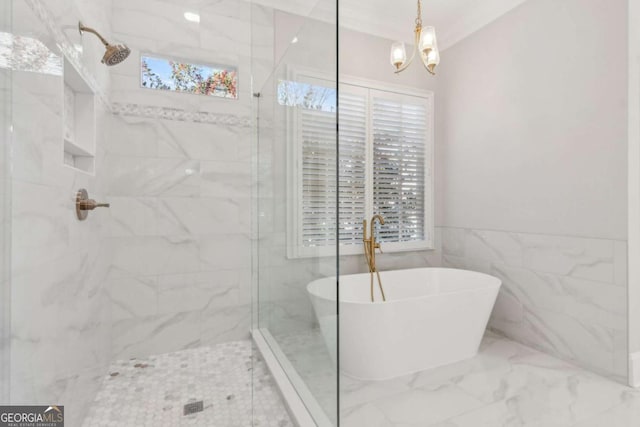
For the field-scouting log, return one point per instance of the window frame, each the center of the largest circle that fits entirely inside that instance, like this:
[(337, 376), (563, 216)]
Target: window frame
[(295, 249)]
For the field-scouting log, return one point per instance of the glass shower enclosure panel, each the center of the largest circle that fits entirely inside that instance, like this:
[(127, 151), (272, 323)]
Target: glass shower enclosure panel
[(295, 197), (5, 145)]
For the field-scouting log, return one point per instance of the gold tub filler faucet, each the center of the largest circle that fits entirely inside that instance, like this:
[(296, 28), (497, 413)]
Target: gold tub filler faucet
[(370, 246)]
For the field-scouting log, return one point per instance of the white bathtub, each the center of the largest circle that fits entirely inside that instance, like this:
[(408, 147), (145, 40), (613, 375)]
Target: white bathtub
[(432, 317)]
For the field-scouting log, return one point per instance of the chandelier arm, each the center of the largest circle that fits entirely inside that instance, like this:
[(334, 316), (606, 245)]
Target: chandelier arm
[(406, 65), (418, 30)]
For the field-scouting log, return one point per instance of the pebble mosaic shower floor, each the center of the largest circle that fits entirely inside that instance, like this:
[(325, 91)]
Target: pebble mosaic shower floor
[(153, 391)]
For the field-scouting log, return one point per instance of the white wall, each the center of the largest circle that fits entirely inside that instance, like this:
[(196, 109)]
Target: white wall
[(526, 97), (532, 143)]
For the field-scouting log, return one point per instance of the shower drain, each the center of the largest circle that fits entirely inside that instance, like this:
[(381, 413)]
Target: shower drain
[(193, 407)]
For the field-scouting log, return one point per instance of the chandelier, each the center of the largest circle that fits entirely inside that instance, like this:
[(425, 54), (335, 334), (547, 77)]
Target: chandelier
[(425, 45)]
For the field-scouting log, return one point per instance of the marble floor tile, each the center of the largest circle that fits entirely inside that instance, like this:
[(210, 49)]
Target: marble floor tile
[(422, 406), (626, 414), (232, 381), (506, 384)]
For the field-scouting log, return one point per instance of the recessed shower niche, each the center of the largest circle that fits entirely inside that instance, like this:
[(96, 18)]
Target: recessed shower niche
[(79, 121)]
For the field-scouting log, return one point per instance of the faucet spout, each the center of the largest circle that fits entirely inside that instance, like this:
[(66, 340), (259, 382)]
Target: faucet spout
[(373, 225)]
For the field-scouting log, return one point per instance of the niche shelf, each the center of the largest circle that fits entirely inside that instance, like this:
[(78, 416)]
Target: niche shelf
[(79, 121)]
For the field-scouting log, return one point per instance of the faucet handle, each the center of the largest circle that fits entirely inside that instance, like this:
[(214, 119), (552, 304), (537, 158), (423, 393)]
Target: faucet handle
[(364, 230), (90, 204), (84, 204)]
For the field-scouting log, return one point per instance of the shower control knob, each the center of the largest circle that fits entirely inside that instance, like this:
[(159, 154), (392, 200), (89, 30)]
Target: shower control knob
[(89, 205), (84, 204)]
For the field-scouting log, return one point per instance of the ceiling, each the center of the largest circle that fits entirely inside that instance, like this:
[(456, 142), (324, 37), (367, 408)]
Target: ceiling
[(394, 19)]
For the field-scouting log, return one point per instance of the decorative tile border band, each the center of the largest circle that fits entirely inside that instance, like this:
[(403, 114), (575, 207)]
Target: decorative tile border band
[(155, 112)]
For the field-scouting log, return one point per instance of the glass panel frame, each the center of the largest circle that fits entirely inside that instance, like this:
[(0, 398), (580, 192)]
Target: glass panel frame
[(300, 327), (6, 14)]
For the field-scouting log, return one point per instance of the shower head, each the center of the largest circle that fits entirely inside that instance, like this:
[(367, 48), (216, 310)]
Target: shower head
[(115, 54)]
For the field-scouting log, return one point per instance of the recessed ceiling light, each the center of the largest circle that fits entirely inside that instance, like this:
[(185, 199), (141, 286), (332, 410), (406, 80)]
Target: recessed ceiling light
[(295, 40), (192, 17)]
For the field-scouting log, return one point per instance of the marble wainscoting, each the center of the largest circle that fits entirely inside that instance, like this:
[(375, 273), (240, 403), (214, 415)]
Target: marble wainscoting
[(562, 295)]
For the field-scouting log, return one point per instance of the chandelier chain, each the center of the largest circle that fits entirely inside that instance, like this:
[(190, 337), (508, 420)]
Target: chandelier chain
[(419, 17)]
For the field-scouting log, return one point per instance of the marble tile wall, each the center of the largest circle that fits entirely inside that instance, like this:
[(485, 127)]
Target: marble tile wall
[(167, 267), (222, 37), (180, 232), (60, 323), (563, 295), (178, 168)]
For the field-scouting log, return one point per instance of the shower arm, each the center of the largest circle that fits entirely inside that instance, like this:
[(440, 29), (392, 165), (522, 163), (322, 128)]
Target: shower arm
[(82, 29)]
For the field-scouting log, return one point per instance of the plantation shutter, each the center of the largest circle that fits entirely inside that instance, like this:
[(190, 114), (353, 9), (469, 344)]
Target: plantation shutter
[(399, 128), (317, 130), (353, 164), (317, 133)]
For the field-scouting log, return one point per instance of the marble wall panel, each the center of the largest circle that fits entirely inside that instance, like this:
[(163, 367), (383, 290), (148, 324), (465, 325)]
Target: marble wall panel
[(60, 318), (563, 295)]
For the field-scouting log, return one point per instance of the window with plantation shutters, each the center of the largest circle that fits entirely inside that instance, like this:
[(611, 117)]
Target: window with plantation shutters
[(384, 167)]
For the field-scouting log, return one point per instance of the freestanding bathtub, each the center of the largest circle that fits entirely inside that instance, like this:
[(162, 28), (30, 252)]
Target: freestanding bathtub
[(432, 317)]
